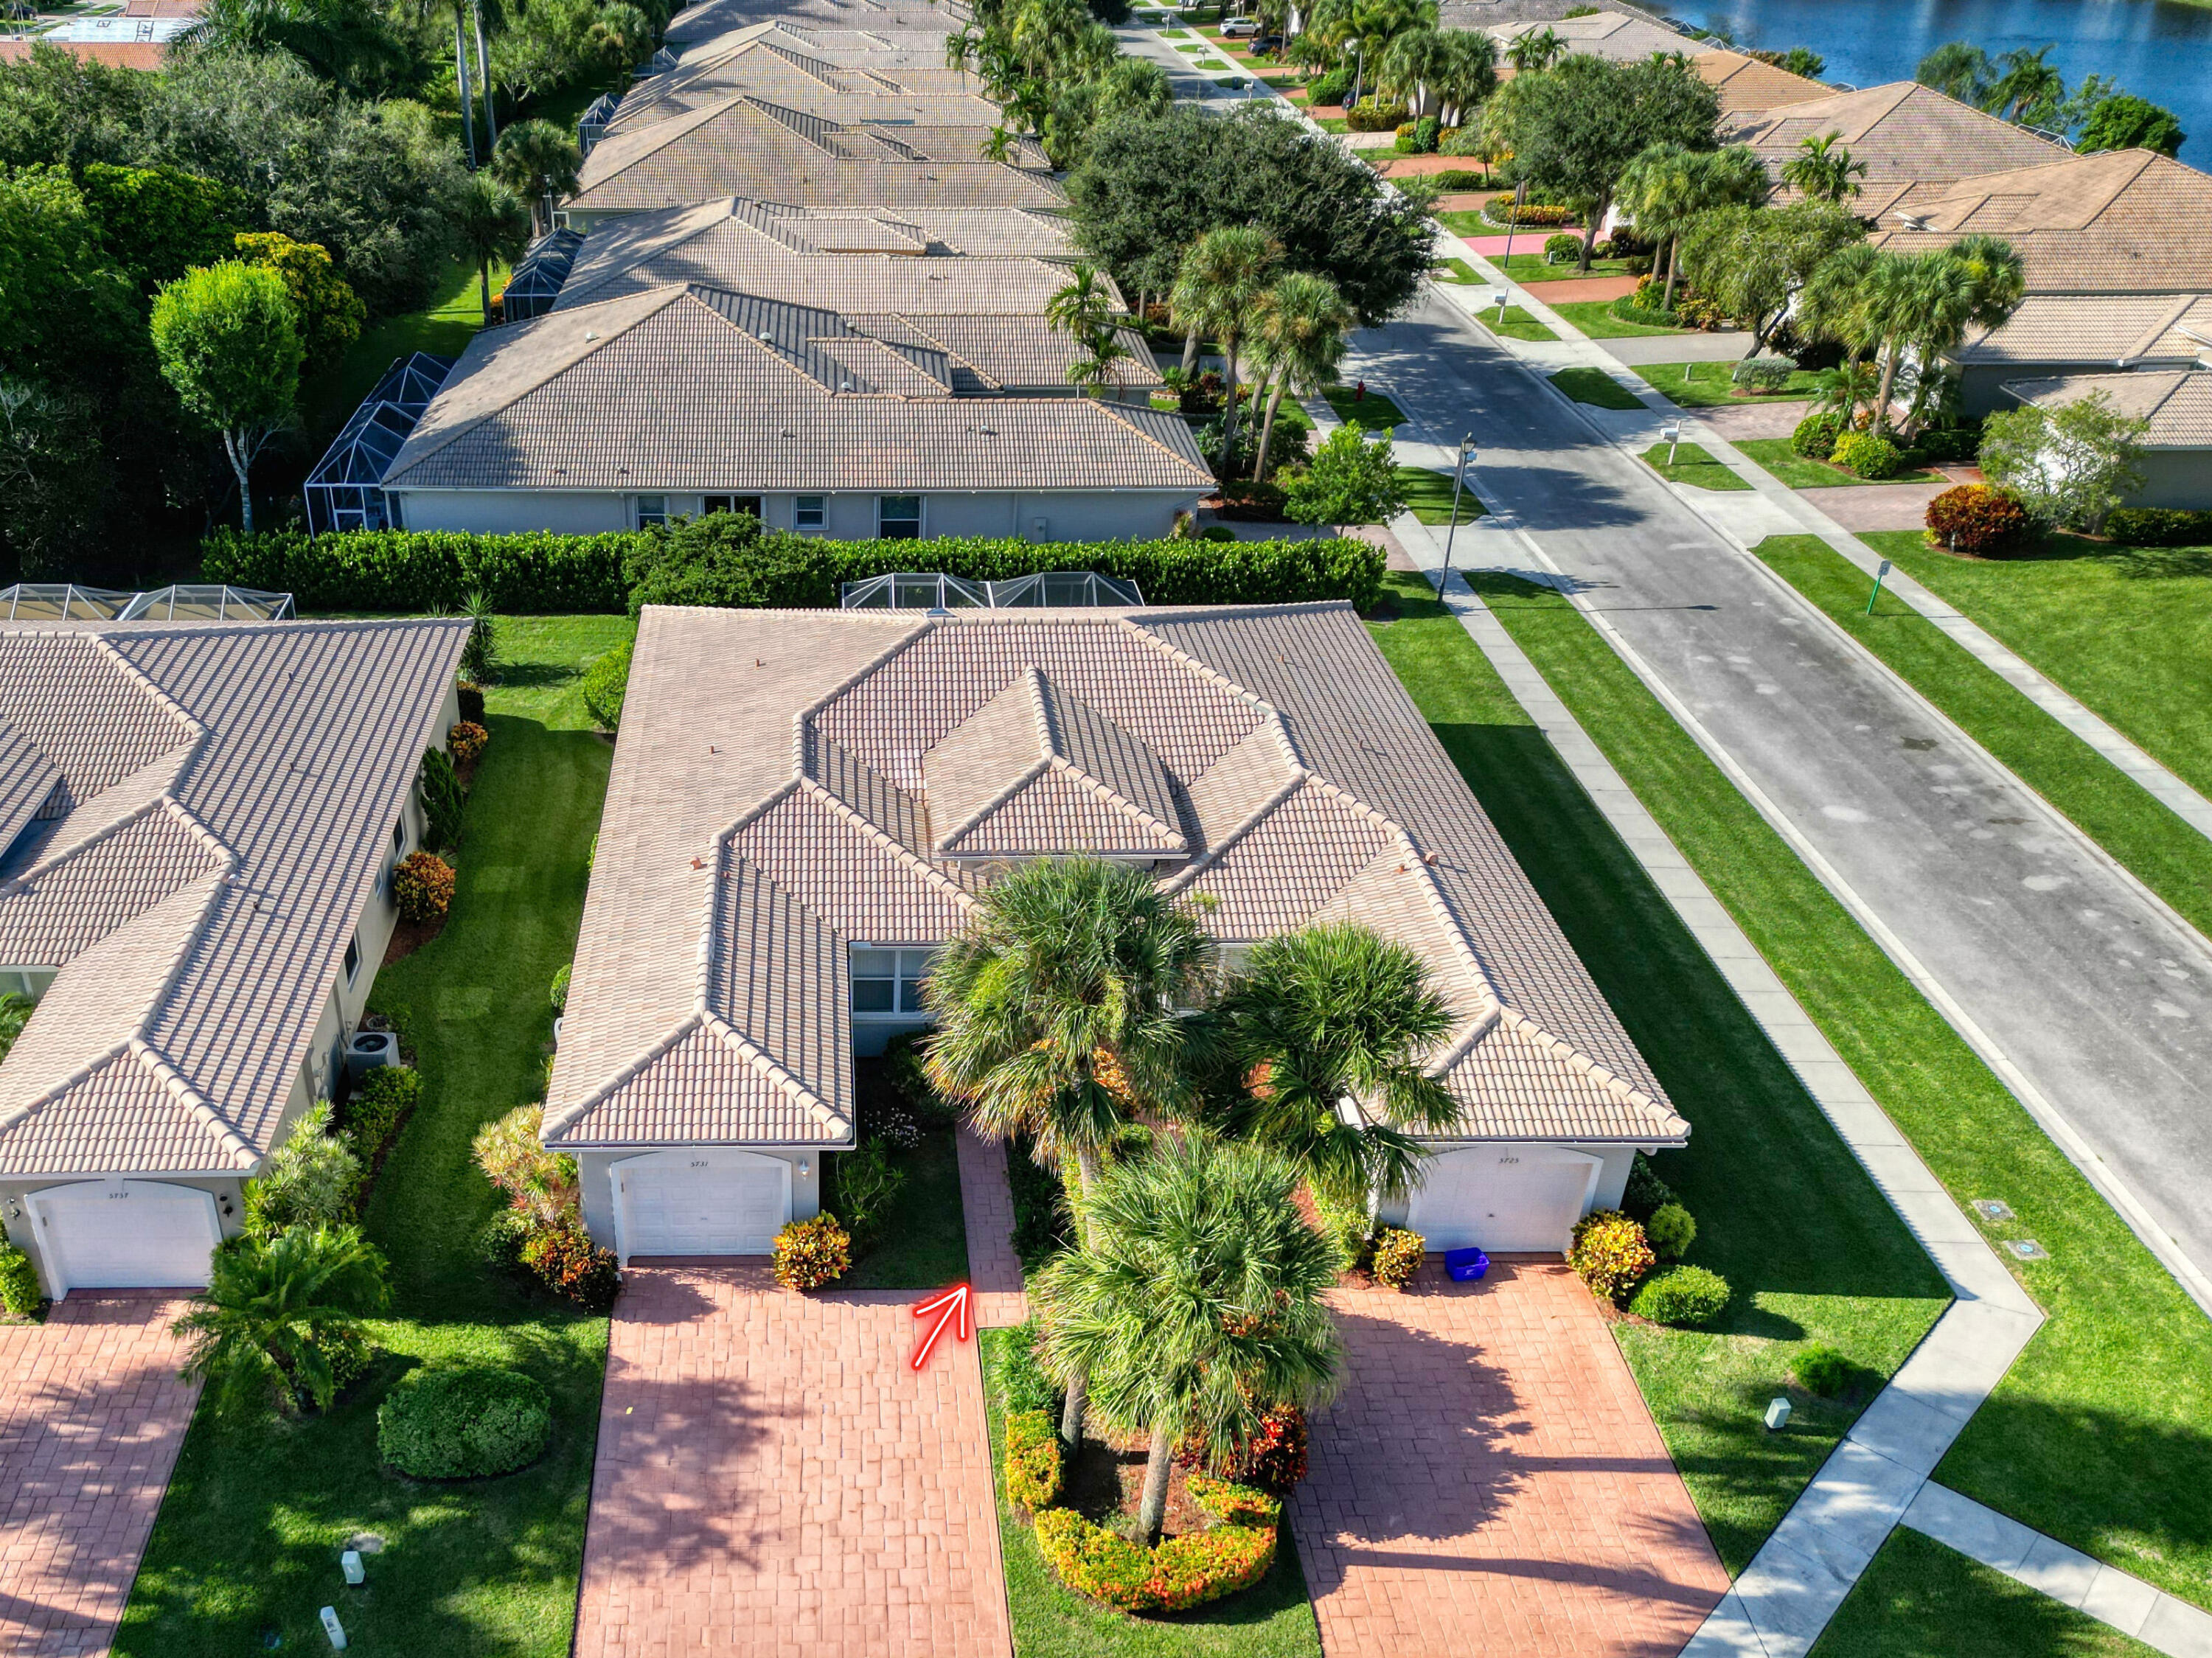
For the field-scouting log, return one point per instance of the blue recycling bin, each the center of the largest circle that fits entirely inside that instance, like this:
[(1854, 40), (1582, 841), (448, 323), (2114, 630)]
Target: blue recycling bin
[(1465, 1265)]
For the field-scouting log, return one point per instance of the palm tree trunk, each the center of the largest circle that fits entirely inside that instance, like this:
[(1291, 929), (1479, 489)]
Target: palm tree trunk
[(1152, 1507), (461, 81), (483, 76), (231, 447), (1228, 406), (1267, 429), (1070, 1416), (1589, 236), (1071, 1410), (1190, 350), (483, 283), (1889, 366), (1674, 257)]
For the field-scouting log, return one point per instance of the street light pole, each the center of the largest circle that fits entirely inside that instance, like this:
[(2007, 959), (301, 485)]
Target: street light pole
[(1459, 482)]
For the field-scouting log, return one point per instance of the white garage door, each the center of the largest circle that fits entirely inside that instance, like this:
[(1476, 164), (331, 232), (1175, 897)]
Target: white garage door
[(708, 1202), (125, 1235), (1502, 1198)]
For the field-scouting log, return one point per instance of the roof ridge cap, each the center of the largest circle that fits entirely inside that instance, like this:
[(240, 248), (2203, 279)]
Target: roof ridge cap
[(803, 718), (168, 704), (1106, 794), (757, 1057), (17, 1115), (1118, 413), (219, 1128), (1490, 1007), (947, 838), (1606, 1077), (1205, 670), (559, 1121), (101, 836), (898, 849), (1187, 876)]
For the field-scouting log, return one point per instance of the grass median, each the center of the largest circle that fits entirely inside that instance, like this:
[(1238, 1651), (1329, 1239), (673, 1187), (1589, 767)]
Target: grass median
[(1690, 463), (1515, 322), (1596, 388), (1594, 319), (1793, 469), (1709, 385)]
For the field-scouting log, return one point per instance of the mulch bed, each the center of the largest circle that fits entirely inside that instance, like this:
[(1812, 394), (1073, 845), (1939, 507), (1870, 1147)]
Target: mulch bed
[(1106, 1478), (408, 937)]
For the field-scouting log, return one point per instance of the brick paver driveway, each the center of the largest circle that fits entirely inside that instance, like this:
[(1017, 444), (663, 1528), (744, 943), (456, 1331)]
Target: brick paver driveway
[(773, 1479), (91, 1415), (1490, 1481)]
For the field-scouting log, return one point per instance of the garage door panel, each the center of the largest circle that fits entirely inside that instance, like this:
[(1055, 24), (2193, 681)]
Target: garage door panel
[(1501, 1199), (702, 1204), (126, 1234)]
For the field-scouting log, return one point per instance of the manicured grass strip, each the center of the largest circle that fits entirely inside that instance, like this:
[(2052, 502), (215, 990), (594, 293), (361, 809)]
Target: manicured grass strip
[(1457, 270), (2101, 1434), (2126, 629), (1429, 496), (1595, 318), (922, 1244), (1272, 1619), (1921, 1600), (1692, 465), (443, 328), (1517, 323), (1843, 1270), (249, 1535), (1596, 387), (1331, 123), (1776, 455), (1706, 386), (1371, 413), (1534, 268), (2164, 853), (1198, 50)]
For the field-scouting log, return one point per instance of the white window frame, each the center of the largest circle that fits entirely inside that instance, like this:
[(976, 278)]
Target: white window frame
[(920, 520), (645, 517), (906, 985), (799, 510)]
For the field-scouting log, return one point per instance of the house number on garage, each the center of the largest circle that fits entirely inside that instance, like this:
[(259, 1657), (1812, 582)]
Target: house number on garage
[(1508, 1159)]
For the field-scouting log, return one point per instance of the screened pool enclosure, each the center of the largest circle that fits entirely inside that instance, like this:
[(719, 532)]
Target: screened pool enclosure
[(909, 589), (344, 491)]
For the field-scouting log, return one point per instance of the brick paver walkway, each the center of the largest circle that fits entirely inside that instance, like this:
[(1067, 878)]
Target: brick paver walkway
[(91, 1415), (988, 1201), (773, 1479), (1490, 1481)]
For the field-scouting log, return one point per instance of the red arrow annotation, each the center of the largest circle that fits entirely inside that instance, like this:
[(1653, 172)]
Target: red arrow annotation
[(953, 1307)]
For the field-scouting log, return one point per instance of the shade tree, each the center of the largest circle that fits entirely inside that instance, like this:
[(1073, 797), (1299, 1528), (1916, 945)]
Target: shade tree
[(2071, 464), (1752, 262), (227, 343)]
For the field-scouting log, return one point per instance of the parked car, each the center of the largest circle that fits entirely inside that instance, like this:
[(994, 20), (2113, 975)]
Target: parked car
[(1240, 28), (1268, 43)]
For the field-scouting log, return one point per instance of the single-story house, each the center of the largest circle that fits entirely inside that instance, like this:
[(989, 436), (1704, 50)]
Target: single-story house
[(805, 805), (1616, 34), (1745, 82), (2176, 461), (198, 823), (683, 399), (832, 23), (2055, 334)]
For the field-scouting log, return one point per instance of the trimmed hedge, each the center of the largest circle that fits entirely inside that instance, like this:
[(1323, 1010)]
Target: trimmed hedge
[(1180, 1573), (1686, 1295), (2159, 526), (464, 1424), (1033, 1461), (1533, 216), (606, 683), (19, 1283), (534, 574)]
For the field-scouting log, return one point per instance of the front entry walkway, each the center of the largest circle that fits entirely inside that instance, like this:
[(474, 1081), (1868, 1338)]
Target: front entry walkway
[(91, 1415), (1489, 1481), (773, 1479)]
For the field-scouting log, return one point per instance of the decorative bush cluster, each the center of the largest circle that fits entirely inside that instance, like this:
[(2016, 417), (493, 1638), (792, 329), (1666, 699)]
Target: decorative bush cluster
[(466, 742), (441, 790), (1275, 1459), (1370, 116), (1821, 1370), (1976, 520), (606, 683), (1562, 249), (534, 574), (313, 1179), (1033, 1461), (1814, 436), (1396, 1260), (423, 887), (570, 1264), (1020, 1380), (1671, 1230), (1867, 455), (2159, 526), (868, 1183), (1762, 375), (471, 698), (464, 1424), (1498, 209), (810, 1254), (1682, 1295), (1233, 1502), (547, 1236), (370, 1119), (1180, 1573), (19, 1282), (1610, 1252)]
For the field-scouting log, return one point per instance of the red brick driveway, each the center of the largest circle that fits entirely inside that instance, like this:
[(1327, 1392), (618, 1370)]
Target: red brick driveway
[(773, 1479), (91, 1415), (1490, 1481)]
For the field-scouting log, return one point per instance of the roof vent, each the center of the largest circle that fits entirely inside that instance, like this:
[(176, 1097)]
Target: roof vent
[(1914, 221)]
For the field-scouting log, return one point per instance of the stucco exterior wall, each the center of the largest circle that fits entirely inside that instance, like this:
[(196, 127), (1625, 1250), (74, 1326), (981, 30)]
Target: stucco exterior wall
[(503, 512), (1063, 515), (2176, 478), (595, 1173)]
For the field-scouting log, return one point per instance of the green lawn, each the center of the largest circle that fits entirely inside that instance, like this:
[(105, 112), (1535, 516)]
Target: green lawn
[(1331, 123), (923, 1242), (1776, 455), (1921, 1600), (1517, 324), (1271, 1620), (1199, 51), (1706, 384), (1455, 270), (1692, 465), (1429, 496), (1533, 267), (1372, 413), (1842, 1269), (2126, 629), (2101, 1434), (1596, 387), (246, 1544), (2166, 854), (444, 328), (1595, 318)]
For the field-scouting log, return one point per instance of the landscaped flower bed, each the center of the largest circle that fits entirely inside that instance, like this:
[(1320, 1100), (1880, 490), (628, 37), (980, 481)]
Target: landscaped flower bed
[(1181, 1571)]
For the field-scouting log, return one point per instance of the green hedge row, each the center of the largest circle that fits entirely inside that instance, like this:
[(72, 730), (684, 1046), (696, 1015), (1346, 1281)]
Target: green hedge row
[(728, 560)]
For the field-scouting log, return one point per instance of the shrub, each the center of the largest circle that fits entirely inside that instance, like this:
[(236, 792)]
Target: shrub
[(1947, 445), (533, 573), (1274, 1459), (1181, 1573), (1344, 1224), (1368, 115), (471, 697), (1232, 1503), (1627, 308), (1397, 1258), (1645, 1193), (1021, 1383), (810, 1254), (441, 800), (1696, 311), (1458, 177), (903, 1069), (345, 1350), (19, 1282), (1467, 139), (1976, 520), (1428, 132), (868, 1183), (1096, 1561), (1821, 1370), (1682, 1296), (1533, 216), (606, 683), (1762, 375), (558, 994), (423, 887), (1671, 1230), (1329, 88), (1611, 1252), (2159, 526), (1814, 436), (379, 1104), (1867, 455), (569, 1264), (311, 1180), (501, 1241), (541, 1184), (1562, 249), (464, 1424), (1033, 1461), (465, 742)]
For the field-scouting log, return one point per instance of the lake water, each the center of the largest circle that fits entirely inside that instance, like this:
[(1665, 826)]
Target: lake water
[(2153, 48)]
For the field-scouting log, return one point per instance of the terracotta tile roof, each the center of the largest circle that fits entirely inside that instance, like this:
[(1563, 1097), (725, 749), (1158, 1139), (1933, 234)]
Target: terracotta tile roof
[(147, 55), (784, 785), (2116, 330), (1748, 83), (1907, 134), (225, 802), (2178, 403)]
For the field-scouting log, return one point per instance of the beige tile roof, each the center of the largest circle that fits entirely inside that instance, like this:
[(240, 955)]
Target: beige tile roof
[(843, 83), (26, 782), (1746, 83), (2108, 330), (1907, 134), (225, 802), (1615, 34), (783, 785), (820, 23), (2178, 403)]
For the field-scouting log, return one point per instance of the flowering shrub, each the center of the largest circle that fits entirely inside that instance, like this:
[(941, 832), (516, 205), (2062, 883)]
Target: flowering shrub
[(1231, 1503), (564, 1257), (1681, 1295), (1978, 519), (423, 887), (1498, 209), (1610, 1252), (1033, 1461), (1671, 1230), (1275, 1458), (466, 741), (1182, 1572), (1867, 455), (1397, 1257), (810, 1254)]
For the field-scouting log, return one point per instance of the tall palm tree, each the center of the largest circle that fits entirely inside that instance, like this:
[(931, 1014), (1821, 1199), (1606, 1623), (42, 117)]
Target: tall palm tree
[(1327, 1029), (489, 224), (1085, 311), (1920, 305), (538, 163), (347, 42), (1468, 74), (1406, 68), (1298, 330), (1374, 23), (2030, 90), (259, 1331), (1535, 51), (1056, 1015), (1666, 187), (1195, 1304), (1223, 273), (1823, 170)]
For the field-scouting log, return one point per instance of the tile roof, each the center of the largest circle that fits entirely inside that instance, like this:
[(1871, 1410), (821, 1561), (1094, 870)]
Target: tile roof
[(1614, 34), (686, 388), (840, 83), (148, 55), (2178, 403), (225, 799), (1907, 134), (1748, 83), (787, 784), (2118, 330)]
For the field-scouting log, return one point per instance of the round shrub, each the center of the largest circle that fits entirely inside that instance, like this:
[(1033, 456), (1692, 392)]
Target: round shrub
[(1867, 455), (1562, 249), (569, 1264), (1397, 1258), (810, 1254), (423, 887), (1370, 116), (1329, 88), (501, 1241), (1645, 1193), (1976, 520), (1610, 1252), (1681, 1295), (1671, 1230), (1428, 133), (606, 681), (466, 740), (464, 1424), (1816, 435), (19, 1283), (1821, 1370)]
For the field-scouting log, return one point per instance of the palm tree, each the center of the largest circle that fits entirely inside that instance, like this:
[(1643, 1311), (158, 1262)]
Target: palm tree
[(538, 163), (1195, 1304), (1959, 69), (1536, 51), (1823, 170), (1668, 186), (1327, 1029), (489, 224), (1467, 75), (1056, 1015), (1375, 23), (347, 42), (2030, 90), (1223, 274), (1298, 330), (263, 1325), (1922, 303), (1407, 67), (1085, 310)]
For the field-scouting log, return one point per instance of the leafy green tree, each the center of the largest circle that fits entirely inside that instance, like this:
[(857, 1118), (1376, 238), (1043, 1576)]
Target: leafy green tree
[(1752, 261), (1960, 70), (229, 343), (1668, 186), (59, 109), (329, 314), (1298, 330), (1822, 170), (2028, 90), (538, 163), (1220, 281), (1348, 481), (52, 478), (2123, 121), (2071, 464), (619, 38), (261, 1332), (157, 222), (489, 224), (348, 43), (1194, 1305)]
